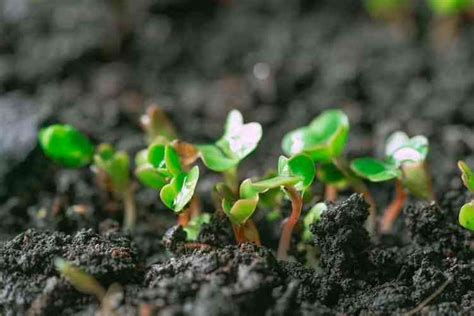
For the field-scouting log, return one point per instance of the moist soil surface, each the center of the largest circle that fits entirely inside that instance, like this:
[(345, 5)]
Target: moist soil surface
[(98, 64)]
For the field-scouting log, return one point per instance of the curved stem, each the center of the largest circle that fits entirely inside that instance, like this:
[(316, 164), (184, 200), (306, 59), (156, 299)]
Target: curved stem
[(285, 239), (130, 216), (394, 209)]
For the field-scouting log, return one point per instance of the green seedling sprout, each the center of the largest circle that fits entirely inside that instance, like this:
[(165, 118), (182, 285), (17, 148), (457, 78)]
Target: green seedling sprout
[(388, 9), (87, 284), (406, 164), (466, 215), (195, 225), (67, 146), (450, 7), (312, 217), (159, 167), (295, 175), (238, 141), (324, 140)]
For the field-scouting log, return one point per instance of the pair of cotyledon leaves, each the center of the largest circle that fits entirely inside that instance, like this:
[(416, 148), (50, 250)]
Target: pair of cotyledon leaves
[(159, 168), (297, 171), (67, 146), (466, 215), (399, 149)]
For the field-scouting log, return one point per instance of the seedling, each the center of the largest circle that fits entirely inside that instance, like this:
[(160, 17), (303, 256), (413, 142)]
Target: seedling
[(195, 225), (405, 163), (450, 7), (324, 140), (238, 141), (312, 217), (87, 284), (67, 146), (466, 215), (295, 175), (159, 167)]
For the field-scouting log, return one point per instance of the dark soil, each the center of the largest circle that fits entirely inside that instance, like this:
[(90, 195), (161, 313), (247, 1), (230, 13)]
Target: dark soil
[(98, 64)]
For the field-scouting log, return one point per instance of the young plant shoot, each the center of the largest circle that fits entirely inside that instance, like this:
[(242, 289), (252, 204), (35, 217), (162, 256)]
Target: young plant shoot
[(312, 217), (67, 146), (466, 215), (295, 175), (238, 141), (159, 167), (450, 7), (324, 140), (405, 163)]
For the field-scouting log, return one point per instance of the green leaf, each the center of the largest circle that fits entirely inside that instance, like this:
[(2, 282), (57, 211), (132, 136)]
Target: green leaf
[(466, 216), (467, 175), (150, 177), (375, 170), (401, 148), (417, 180), (242, 210), (330, 174), (173, 163), (324, 139), (215, 159), (313, 216), (177, 194), (66, 145), (156, 155), (276, 182), (195, 225), (115, 164), (238, 141), (302, 166)]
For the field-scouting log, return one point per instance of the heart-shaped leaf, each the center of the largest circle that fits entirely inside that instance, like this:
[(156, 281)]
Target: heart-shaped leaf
[(177, 194), (467, 175), (401, 148), (324, 139), (466, 216), (303, 167), (66, 145), (115, 164), (238, 141), (375, 170)]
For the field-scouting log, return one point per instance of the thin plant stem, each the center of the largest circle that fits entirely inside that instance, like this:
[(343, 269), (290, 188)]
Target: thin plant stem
[(330, 193), (285, 239), (130, 208), (184, 217), (232, 179), (247, 233), (394, 209)]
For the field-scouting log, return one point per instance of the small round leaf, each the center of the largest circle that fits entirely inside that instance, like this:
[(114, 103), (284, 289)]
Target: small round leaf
[(466, 216), (66, 145), (215, 159)]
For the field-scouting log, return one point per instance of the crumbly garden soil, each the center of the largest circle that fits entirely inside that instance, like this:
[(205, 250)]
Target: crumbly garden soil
[(61, 61)]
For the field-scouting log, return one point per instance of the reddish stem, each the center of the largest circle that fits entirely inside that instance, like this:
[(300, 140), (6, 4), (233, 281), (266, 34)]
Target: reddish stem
[(183, 218), (247, 233), (330, 193), (285, 239), (394, 209)]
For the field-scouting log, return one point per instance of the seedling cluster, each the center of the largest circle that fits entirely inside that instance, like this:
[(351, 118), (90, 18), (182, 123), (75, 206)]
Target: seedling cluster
[(169, 166)]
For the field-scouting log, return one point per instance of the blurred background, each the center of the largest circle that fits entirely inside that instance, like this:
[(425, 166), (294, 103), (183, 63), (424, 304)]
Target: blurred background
[(97, 64)]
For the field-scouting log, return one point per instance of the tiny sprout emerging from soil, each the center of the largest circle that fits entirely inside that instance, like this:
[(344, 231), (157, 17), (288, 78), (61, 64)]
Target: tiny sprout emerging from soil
[(312, 217), (67, 146), (238, 141), (195, 225), (450, 7), (81, 280), (324, 140), (466, 215), (406, 163), (159, 167)]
